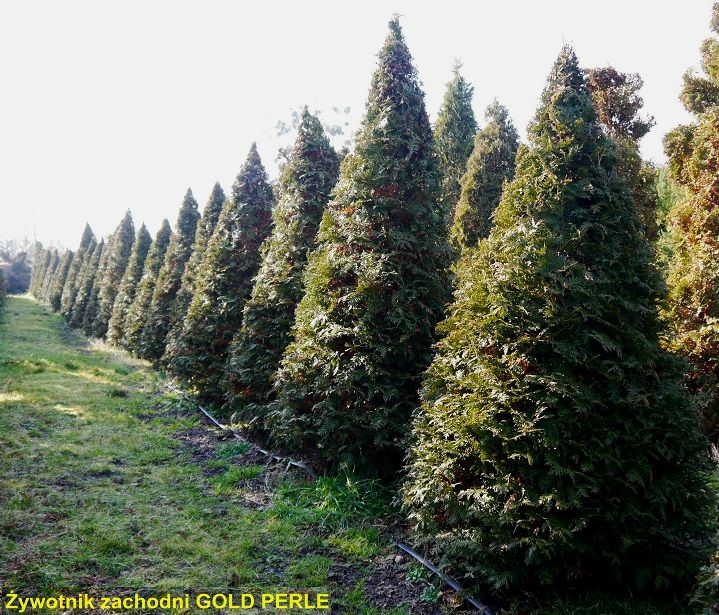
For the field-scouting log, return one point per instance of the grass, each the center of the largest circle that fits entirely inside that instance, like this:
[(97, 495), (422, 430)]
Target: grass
[(98, 494)]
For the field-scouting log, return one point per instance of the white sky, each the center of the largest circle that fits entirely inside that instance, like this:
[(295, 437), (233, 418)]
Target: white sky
[(109, 105)]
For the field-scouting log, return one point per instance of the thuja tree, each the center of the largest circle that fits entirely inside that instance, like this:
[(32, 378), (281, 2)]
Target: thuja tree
[(49, 273), (169, 278), (205, 228), (454, 133), (694, 269), (375, 286), (40, 266), (224, 281), (555, 443), (58, 281), (489, 166), (618, 105), (85, 281), (128, 285), (137, 313), (118, 256), (69, 290), (92, 308), (305, 185)]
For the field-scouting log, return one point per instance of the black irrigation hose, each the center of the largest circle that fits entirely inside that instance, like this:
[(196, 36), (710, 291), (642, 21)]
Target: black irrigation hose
[(447, 579), (291, 462)]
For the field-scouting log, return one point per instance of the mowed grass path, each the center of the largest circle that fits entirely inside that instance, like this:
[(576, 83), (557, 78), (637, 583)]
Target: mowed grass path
[(98, 494)]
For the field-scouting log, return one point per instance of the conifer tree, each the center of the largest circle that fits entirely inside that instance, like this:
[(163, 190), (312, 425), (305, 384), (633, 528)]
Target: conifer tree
[(375, 287), (305, 185), (3, 291), (224, 281), (49, 272), (555, 443), (205, 228), (489, 166), (40, 266), (97, 275), (58, 281), (118, 255), (137, 313), (168, 282), (128, 285), (454, 133), (69, 290), (86, 281), (693, 276), (618, 104)]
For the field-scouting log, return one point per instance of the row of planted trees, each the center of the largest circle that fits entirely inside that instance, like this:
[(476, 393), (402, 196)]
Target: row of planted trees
[(546, 432)]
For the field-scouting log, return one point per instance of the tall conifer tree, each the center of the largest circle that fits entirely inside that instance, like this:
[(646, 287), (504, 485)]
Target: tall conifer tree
[(205, 228), (49, 273), (489, 166), (86, 280), (128, 285), (454, 133), (58, 281), (118, 255), (96, 274), (137, 313), (305, 185), (40, 266), (224, 281), (169, 278), (693, 277), (555, 441), (375, 286), (69, 290)]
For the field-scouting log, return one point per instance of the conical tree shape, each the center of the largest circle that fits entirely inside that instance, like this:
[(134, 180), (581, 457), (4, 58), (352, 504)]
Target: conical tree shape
[(375, 286), (305, 185), (489, 166), (168, 282), (454, 133), (86, 280), (617, 101), (205, 228), (128, 285), (137, 313), (49, 273), (224, 281), (38, 273), (555, 442), (69, 290), (58, 281), (98, 268), (693, 277), (118, 256)]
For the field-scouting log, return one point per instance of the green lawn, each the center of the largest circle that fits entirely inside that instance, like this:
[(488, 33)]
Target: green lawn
[(109, 484)]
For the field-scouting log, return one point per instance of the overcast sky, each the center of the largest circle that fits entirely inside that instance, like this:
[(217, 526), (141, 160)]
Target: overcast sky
[(109, 105)]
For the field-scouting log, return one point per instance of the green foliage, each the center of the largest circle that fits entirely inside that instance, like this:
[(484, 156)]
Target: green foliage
[(169, 278), (86, 281), (205, 228), (119, 248), (669, 194), (693, 276), (58, 280), (617, 102), (40, 267), (375, 286), (224, 281), (490, 165), (3, 291), (137, 313), (128, 285), (44, 290), (69, 289), (555, 446), (454, 133), (93, 302), (305, 185)]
